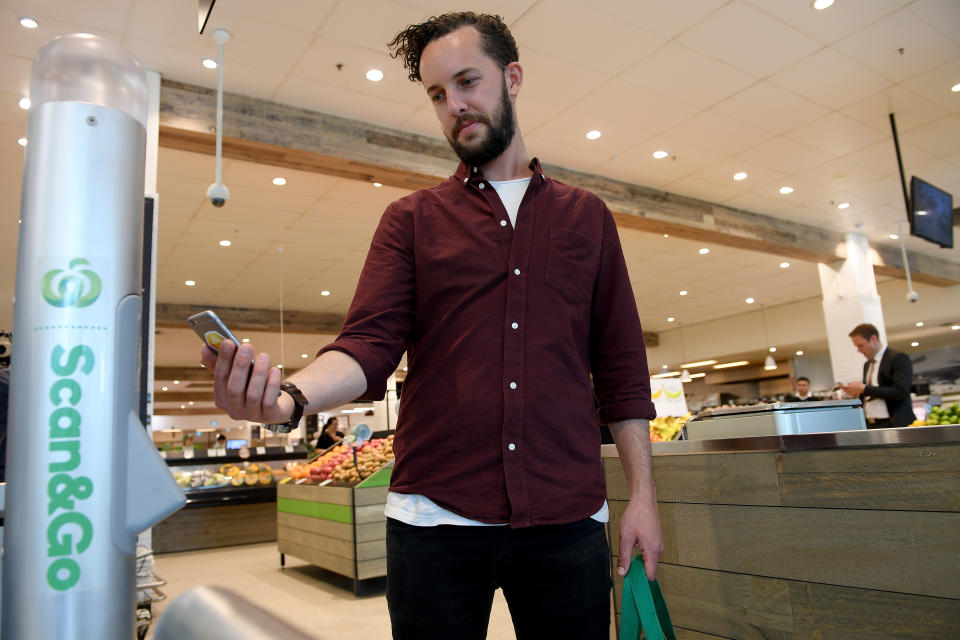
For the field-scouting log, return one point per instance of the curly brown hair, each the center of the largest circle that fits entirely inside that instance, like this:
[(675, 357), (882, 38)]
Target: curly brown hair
[(498, 42)]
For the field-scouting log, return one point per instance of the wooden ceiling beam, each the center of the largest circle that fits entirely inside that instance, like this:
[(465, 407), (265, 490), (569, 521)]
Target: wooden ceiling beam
[(280, 135)]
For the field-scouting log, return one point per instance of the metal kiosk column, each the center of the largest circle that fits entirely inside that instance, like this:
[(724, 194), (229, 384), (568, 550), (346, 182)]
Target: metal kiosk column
[(83, 477)]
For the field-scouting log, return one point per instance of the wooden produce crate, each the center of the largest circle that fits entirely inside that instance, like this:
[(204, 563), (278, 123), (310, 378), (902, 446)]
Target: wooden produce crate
[(338, 528)]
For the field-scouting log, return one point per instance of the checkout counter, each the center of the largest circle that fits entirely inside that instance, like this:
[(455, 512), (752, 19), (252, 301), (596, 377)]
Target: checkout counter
[(775, 526)]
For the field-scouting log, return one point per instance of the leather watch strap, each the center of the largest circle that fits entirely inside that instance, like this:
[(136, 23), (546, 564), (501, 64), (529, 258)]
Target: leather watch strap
[(299, 402)]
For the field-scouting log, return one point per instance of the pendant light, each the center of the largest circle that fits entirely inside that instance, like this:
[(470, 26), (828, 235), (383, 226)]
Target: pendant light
[(769, 364), (684, 374)]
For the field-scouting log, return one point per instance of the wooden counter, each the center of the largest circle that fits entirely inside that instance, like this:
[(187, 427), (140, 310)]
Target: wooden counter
[(796, 537)]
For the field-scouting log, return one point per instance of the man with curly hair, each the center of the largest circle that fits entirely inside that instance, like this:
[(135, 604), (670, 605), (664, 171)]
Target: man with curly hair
[(509, 292)]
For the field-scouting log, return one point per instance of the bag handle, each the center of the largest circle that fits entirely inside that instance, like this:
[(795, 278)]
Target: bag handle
[(643, 607)]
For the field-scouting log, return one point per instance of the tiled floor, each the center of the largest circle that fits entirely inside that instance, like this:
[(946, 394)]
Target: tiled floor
[(320, 603)]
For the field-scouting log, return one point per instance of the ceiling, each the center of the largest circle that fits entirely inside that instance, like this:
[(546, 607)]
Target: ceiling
[(789, 95)]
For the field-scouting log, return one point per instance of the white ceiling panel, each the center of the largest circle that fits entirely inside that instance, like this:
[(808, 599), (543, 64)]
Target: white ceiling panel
[(557, 153), (509, 10), (25, 43), (15, 75), (910, 110), (687, 76), (942, 15), (343, 102), (837, 134), (722, 173), (829, 78), (878, 46), (735, 33), (882, 156), (613, 45), (666, 19), (784, 155), (938, 138), (300, 15), (548, 82), (618, 134), (424, 121), (639, 166), (935, 84), (771, 108), (369, 24), (109, 15), (717, 133), (840, 20)]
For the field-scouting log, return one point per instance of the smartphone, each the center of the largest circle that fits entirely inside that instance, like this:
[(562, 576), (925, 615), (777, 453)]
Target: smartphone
[(211, 329)]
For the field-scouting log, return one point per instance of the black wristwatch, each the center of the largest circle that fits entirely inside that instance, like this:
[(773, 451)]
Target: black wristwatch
[(299, 402)]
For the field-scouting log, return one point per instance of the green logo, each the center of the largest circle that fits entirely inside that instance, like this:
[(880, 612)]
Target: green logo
[(77, 287)]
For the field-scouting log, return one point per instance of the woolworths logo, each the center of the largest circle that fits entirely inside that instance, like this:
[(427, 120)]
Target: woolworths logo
[(77, 287)]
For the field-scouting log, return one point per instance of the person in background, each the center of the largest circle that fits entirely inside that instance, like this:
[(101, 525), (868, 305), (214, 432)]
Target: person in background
[(803, 391), (188, 441), (507, 289), (887, 378), (221, 441), (4, 406), (330, 434)]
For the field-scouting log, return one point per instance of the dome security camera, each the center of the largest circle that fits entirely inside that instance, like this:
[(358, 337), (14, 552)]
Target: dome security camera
[(218, 194), (913, 296)]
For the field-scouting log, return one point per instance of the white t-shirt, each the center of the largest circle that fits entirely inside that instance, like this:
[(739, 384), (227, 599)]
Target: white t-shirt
[(419, 510), (876, 408)]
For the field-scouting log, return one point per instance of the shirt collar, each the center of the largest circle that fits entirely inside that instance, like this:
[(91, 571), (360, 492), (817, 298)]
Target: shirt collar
[(468, 173), (878, 356)]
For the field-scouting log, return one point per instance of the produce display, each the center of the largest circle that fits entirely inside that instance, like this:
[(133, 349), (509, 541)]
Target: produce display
[(940, 415), (665, 428), (337, 464), (247, 474)]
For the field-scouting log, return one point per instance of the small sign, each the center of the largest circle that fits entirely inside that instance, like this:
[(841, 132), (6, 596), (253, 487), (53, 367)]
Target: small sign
[(667, 396), (300, 481), (221, 453), (261, 451), (163, 454), (288, 449), (211, 453), (325, 482), (188, 453)]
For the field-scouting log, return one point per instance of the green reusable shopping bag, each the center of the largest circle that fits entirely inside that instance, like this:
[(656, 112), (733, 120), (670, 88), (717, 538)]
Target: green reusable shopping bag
[(643, 607)]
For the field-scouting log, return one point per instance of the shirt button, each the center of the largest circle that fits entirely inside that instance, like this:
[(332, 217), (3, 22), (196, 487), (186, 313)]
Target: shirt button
[(466, 180), (511, 446), (516, 272), (515, 325), (482, 185), (474, 169), (503, 223), (513, 385)]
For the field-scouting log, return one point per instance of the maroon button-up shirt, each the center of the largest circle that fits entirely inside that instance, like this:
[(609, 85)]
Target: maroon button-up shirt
[(502, 329)]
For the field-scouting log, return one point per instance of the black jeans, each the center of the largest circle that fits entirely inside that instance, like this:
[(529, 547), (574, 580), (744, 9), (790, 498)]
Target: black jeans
[(555, 578)]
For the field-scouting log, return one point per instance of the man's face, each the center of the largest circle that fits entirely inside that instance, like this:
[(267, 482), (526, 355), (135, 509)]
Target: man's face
[(869, 347), (803, 387), (470, 96)]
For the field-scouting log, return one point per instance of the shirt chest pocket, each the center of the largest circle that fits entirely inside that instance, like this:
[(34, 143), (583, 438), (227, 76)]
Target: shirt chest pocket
[(572, 261)]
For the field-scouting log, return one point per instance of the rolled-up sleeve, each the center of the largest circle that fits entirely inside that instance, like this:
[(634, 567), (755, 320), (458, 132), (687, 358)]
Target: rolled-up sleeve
[(378, 324), (618, 356)]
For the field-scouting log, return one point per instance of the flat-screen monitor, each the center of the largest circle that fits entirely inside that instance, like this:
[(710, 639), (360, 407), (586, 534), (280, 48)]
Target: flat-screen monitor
[(236, 444), (931, 213)]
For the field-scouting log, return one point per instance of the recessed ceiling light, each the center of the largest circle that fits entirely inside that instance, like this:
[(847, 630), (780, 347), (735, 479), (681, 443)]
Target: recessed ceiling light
[(667, 374), (164, 388), (279, 181), (666, 235), (664, 367), (921, 213), (894, 236), (374, 75), (324, 293), (955, 88), (303, 355), (919, 324), (245, 340), (773, 349), (727, 365), (377, 184), (190, 403), (22, 142), (749, 300), (176, 382), (24, 103), (593, 135), (225, 243), (684, 292), (701, 363), (210, 63), (698, 375), (740, 175), (843, 205), (914, 344), (660, 154), (786, 190), (955, 327), (704, 251), (279, 366), (28, 22), (190, 283), (183, 406), (820, 5), (784, 265), (799, 353), (671, 319)]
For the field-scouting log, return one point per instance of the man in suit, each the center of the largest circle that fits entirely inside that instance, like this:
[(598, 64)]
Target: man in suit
[(887, 376), (803, 391)]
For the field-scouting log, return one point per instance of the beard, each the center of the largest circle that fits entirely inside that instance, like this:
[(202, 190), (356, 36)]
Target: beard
[(499, 134)]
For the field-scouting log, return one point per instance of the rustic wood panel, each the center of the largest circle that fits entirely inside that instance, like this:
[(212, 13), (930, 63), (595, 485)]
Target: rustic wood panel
[(220, 526), (371, 495), (269, 133), (370, 513), (253, 319), (338, 564), (905, 551), (372, 531), (743, 478), (321, 543), (687, 634), (372, 568), (316, 493), (371, 550), (893, 491), (318, 526), (903, 459)]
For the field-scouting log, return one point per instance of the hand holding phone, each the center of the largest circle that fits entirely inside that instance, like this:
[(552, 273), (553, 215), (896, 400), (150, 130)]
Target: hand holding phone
[(211, 329)]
